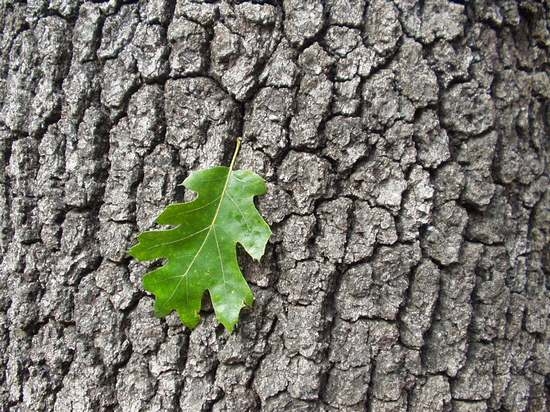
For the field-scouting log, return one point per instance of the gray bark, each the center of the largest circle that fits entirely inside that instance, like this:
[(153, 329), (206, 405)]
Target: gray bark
[(406, 148)]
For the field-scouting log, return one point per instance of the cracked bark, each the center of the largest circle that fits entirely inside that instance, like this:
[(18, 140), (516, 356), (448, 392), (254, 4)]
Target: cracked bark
[(406, 148)]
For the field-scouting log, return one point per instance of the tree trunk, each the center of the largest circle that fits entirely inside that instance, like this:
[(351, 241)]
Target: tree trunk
[(406, 148)]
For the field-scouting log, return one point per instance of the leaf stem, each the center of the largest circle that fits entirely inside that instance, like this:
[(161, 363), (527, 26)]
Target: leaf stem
[(235, 153)]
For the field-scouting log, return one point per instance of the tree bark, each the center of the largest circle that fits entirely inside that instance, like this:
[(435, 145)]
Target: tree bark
[(406, 148)]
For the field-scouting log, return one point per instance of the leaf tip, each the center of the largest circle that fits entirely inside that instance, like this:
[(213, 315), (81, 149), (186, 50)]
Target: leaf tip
[(132, 251)]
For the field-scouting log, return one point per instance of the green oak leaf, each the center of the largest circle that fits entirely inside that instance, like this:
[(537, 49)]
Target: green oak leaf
[(200, 251)]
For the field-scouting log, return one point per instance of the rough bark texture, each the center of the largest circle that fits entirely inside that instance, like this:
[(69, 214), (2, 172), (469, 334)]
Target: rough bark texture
[(406, 146)]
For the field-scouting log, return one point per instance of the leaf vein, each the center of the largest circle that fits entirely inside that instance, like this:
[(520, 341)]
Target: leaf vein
[(185, 212), (177, 240), (240, 211)]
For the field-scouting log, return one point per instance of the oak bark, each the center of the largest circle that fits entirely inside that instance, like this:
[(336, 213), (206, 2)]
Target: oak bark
[(406, 148)]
